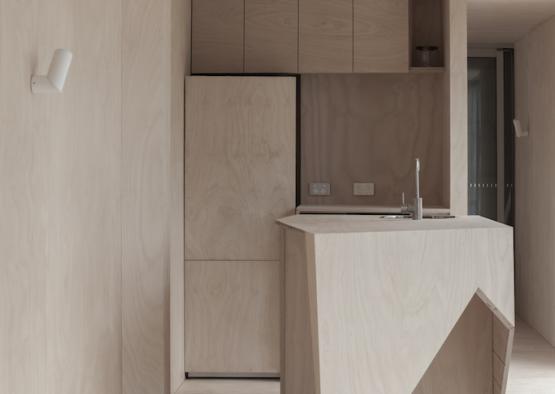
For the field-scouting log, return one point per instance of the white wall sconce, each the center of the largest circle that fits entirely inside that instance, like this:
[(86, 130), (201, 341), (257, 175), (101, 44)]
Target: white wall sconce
[(54, 81), (519, 130)]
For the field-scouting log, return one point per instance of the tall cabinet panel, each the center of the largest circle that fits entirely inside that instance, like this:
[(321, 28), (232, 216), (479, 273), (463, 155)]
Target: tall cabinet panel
[(218, 36), (232, 323), (271, 36), (239, 178), (325, 36), (239, 166), (381, 36)]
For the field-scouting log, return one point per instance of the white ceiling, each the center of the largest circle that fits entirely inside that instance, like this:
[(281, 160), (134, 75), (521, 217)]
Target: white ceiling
[(495, 22)]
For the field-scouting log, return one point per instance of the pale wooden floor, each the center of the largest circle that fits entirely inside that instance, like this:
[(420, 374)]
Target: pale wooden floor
[(532, 369), (229, 387)]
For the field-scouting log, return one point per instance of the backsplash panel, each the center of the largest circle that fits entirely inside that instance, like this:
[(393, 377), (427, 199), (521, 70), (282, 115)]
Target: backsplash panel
[(370, 128)]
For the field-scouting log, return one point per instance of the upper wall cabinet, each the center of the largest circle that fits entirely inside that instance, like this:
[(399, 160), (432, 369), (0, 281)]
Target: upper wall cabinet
[(325, 36), (218, 36), (381, 36), (271, 36), (300, 36)]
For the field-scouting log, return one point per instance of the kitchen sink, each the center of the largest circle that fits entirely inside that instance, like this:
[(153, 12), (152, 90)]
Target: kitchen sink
[(401, 217), (395, 217)]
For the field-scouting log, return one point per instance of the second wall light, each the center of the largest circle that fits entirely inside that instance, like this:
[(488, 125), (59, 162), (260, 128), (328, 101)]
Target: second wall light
[(54, 81)]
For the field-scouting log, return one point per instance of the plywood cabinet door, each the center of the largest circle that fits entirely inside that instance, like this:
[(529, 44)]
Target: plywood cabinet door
[(239, 166), (271, 36), (325, 36), (232, 317), (217, 36), (381, 36)]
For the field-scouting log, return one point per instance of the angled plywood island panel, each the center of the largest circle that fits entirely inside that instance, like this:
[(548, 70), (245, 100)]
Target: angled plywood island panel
[(397, 306)]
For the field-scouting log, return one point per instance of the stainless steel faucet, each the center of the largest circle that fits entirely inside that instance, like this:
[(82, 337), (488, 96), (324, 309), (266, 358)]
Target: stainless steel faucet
[(418, 202), (416, 210)]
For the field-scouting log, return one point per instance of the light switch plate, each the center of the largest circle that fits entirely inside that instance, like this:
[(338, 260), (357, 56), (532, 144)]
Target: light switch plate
[(363, 189), (320, 189)]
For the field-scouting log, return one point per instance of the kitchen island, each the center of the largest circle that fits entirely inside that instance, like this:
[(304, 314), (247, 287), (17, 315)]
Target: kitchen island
[(374, 305)]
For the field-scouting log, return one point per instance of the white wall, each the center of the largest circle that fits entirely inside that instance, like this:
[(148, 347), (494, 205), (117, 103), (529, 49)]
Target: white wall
[(85, 184), (535, 180)]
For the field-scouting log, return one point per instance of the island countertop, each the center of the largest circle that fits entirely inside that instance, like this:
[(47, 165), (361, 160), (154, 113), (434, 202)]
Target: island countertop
[(338, 224)]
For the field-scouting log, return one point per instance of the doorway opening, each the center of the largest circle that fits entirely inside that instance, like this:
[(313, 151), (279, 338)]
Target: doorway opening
[(491, 148)]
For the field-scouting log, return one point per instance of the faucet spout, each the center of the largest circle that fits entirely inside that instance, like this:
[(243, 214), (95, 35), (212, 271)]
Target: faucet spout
[(416, 210), (417, 178), (418, 214)]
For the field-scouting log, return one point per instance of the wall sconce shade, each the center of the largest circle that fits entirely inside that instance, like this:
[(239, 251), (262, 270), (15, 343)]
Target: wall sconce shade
[(55, 80), (519, 131)]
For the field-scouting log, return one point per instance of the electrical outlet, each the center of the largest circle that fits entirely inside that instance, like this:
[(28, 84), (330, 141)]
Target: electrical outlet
[(320, 189), (363, 189)]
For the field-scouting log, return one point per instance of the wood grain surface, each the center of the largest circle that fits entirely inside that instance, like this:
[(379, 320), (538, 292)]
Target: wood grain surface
[(535, 79), (325, 36), (271, 36), (456, 95), (212, 386), (381, 36), (60, 244), (24, 204), (146, 195), (180, 66), (532, 362), (218, 36), (232, 317), (384, 302), (465, 362), (75, 183), (300, 366), (371, 128), (239, 166)]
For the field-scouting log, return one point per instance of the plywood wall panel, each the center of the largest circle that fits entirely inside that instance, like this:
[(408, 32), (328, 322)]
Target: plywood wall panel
[(535, 217), (23, 207), (66, 170), (84, 269), (180, 66), (146, 125), (456, 99), (371, 128), (60, 245)]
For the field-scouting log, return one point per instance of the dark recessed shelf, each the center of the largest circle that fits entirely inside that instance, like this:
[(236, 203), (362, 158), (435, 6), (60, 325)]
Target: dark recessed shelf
[(427, 70), (427, 30)]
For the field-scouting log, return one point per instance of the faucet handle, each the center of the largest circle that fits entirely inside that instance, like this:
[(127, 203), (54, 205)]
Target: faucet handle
[(404, 206)]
